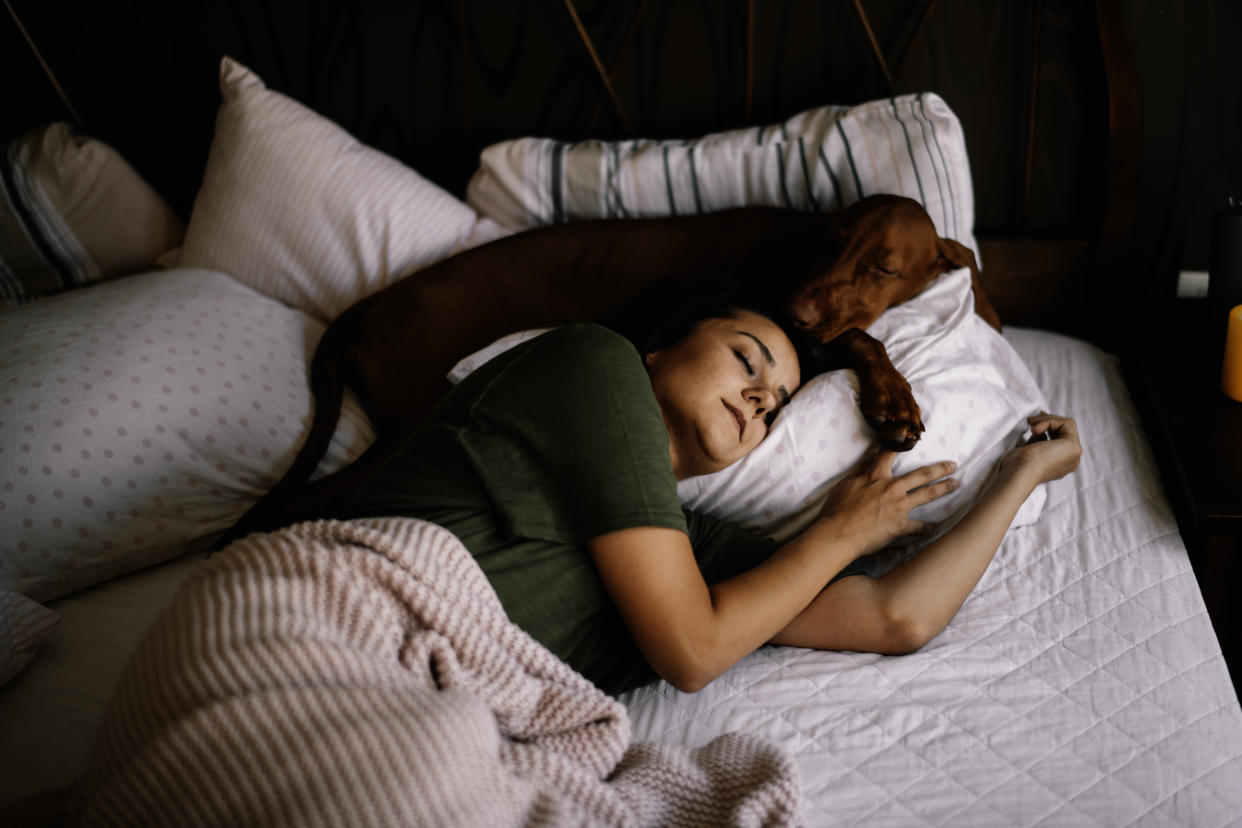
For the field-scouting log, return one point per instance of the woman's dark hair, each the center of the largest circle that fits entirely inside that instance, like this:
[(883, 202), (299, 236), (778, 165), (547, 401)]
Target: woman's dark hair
[(666, 312)]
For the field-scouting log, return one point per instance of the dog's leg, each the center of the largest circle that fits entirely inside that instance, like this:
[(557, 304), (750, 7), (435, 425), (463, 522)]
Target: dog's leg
[(886, 401)]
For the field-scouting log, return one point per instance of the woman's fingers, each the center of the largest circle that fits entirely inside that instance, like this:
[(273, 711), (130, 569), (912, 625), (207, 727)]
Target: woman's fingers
[(925, 474), (1053, 450), (931, 491), (1059, 426)]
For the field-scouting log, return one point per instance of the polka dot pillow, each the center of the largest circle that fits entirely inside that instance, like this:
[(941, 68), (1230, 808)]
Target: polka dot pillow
[(142, 417)]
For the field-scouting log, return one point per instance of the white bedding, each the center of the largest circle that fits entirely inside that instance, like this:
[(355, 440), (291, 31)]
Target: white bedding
[(1081, 683)]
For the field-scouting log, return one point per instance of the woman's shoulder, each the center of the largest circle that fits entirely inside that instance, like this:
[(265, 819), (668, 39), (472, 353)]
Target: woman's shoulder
[(590, 334), (569, 365), (588, 343)]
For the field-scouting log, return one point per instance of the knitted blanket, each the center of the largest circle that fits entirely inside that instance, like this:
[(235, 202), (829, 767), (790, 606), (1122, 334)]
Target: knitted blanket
[(365, 673)]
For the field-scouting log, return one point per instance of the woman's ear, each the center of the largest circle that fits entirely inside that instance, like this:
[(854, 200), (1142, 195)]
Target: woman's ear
[(650, 359)]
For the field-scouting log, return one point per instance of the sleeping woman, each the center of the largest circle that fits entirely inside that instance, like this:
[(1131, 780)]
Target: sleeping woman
[(557, 464)]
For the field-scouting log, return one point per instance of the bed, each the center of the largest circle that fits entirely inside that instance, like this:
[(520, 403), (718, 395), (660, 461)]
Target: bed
[(1081, 682)]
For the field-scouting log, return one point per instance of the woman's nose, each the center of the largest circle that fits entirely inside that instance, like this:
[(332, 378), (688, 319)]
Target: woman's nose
[(763, 399)]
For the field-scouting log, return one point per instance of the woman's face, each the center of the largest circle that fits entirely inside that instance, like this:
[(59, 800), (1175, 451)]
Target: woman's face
[(719, 389)]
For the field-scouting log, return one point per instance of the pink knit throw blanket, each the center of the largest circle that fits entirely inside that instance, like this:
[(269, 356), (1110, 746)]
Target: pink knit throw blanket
[(365, 673)]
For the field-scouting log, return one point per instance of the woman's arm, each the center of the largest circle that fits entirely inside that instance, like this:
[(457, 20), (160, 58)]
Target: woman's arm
[(908, 606), (690, 633)]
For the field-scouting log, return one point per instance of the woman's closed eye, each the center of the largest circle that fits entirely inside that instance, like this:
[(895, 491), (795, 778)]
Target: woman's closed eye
[(746, 363)]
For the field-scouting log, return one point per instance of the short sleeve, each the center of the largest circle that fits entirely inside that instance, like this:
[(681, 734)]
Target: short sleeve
[(568, 440)]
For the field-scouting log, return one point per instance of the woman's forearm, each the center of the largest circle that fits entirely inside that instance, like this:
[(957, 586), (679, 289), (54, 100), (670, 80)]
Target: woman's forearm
[(765, 603), (690, 632), (904, 609), (928, 589), (751, 607), (864, 513)]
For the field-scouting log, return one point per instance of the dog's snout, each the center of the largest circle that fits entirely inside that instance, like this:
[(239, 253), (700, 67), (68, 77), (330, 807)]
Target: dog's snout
[(804, 314)]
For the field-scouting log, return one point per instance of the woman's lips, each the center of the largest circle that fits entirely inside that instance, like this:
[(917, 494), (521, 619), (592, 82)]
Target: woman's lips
[(741, 421)]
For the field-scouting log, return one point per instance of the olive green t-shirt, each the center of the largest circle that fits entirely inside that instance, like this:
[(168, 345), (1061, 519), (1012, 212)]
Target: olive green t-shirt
[(556, 441)]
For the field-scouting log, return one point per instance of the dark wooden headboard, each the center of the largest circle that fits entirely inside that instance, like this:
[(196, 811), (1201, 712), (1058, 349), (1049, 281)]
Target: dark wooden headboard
[(1045, 89)]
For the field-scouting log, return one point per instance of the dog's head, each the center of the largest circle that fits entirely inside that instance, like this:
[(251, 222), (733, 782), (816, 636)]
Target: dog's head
[(883, 251)]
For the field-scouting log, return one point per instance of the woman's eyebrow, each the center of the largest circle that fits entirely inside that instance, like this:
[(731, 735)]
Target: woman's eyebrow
[(763, 349), (781, 392)]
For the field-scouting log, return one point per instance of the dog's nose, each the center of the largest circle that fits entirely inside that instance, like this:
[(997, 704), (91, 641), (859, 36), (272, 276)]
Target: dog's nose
[(804, 314)]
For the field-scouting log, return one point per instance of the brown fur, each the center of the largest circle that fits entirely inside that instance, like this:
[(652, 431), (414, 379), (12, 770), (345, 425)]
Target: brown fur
[(834, 273)]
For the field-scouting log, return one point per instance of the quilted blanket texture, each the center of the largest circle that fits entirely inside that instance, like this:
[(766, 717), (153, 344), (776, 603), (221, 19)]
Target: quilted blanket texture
[(364, 673)]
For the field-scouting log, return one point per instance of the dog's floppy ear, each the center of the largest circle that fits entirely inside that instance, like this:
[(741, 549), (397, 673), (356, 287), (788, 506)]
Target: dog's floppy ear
[(955, 254)]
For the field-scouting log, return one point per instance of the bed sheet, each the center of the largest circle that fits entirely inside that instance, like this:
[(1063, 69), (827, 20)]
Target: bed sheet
[(49, 711), (1080, 684)]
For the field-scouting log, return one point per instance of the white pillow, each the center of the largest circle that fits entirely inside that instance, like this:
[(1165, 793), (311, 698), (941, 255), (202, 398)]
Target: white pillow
[(973, 390), (295, 207), (142, 414), (974, 393), (826, 158)]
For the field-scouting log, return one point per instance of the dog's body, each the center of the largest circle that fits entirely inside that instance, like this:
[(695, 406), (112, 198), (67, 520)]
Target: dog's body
[(833, 273)]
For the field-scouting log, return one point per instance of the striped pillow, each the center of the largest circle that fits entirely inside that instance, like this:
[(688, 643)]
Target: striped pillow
[(298, 209), (23, 624), (823, 159), (72, 212)]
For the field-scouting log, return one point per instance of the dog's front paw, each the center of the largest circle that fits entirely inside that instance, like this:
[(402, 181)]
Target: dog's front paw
[(893, 414), (897, 436)]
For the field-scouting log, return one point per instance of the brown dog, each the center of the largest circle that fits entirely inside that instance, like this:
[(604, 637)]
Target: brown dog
[(833, 273)]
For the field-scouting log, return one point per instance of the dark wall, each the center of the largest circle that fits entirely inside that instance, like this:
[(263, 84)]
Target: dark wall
[(1187, 54), (433, 81)]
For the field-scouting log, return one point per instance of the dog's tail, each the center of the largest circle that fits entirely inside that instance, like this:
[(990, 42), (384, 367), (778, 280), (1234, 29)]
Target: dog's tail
[(327, 391)]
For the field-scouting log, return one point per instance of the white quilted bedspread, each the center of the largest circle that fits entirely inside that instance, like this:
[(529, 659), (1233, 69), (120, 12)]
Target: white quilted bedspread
[(1080, 684)]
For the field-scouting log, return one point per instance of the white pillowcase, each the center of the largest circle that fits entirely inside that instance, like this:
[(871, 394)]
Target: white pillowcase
[(142, 414), (298, 209), (823, 159), (974, 393)]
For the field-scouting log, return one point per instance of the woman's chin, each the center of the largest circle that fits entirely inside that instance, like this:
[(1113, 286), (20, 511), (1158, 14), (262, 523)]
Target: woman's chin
[(712, 457)]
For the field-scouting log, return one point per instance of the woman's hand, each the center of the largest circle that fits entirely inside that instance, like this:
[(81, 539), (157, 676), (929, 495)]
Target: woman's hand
[(871, 507), (1052, 452)]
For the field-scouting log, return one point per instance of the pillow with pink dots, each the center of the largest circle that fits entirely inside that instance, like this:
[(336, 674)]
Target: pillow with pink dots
[(141, 417)]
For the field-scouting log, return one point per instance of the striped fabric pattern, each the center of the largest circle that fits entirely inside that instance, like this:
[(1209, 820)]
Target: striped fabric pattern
[(823, 159), (23, 624), (295, 207), (39, 253), (365, 673)]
